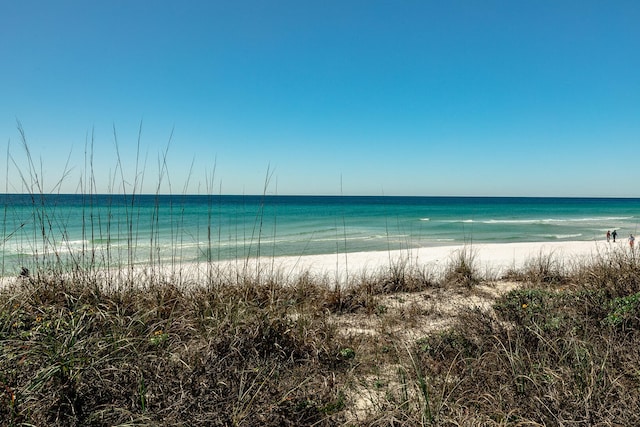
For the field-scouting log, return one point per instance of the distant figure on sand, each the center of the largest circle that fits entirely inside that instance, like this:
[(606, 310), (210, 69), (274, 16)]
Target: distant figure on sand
[(631, 240), (608, 235), (614, 234)]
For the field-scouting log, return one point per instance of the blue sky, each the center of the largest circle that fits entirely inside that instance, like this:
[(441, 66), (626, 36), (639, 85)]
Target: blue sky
[(505, 98)]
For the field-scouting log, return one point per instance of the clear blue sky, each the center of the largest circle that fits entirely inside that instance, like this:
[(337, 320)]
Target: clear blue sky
[(507, 98)]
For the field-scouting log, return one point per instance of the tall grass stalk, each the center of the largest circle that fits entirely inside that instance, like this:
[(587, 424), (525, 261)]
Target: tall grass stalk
[(6, 235), (107, 346), (130, 207)]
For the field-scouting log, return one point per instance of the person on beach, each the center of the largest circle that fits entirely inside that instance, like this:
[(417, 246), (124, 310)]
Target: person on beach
[(614, 234), (631, 240), (608, 235)]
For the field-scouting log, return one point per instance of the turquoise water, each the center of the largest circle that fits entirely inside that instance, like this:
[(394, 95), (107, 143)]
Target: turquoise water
[(115, 230)]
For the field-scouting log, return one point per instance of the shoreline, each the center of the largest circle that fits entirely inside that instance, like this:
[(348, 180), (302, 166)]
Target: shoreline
[(491, 259)]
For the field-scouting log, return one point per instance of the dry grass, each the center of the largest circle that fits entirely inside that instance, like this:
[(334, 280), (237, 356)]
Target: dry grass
[(390, 349)]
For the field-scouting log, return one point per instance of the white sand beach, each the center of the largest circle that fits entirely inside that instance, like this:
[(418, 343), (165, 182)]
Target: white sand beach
[(493, 259)]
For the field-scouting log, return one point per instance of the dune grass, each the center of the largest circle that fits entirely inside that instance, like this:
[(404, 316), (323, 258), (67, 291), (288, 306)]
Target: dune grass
[(260, 352)]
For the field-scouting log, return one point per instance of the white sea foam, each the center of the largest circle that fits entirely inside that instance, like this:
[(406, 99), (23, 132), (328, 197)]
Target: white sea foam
[(532, 221), (565, 236)]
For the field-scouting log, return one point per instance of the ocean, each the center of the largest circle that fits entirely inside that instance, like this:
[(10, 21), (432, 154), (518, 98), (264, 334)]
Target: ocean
[(117, 230)]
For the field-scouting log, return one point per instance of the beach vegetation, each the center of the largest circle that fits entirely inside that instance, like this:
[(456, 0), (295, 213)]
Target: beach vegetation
[(545, 268), (463, 269), (282, 353)]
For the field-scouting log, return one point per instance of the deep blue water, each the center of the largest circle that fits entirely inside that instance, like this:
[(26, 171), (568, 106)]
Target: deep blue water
[(116, 229)]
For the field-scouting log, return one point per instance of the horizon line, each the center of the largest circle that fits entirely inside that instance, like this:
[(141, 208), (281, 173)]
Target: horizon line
[(320, 195)]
